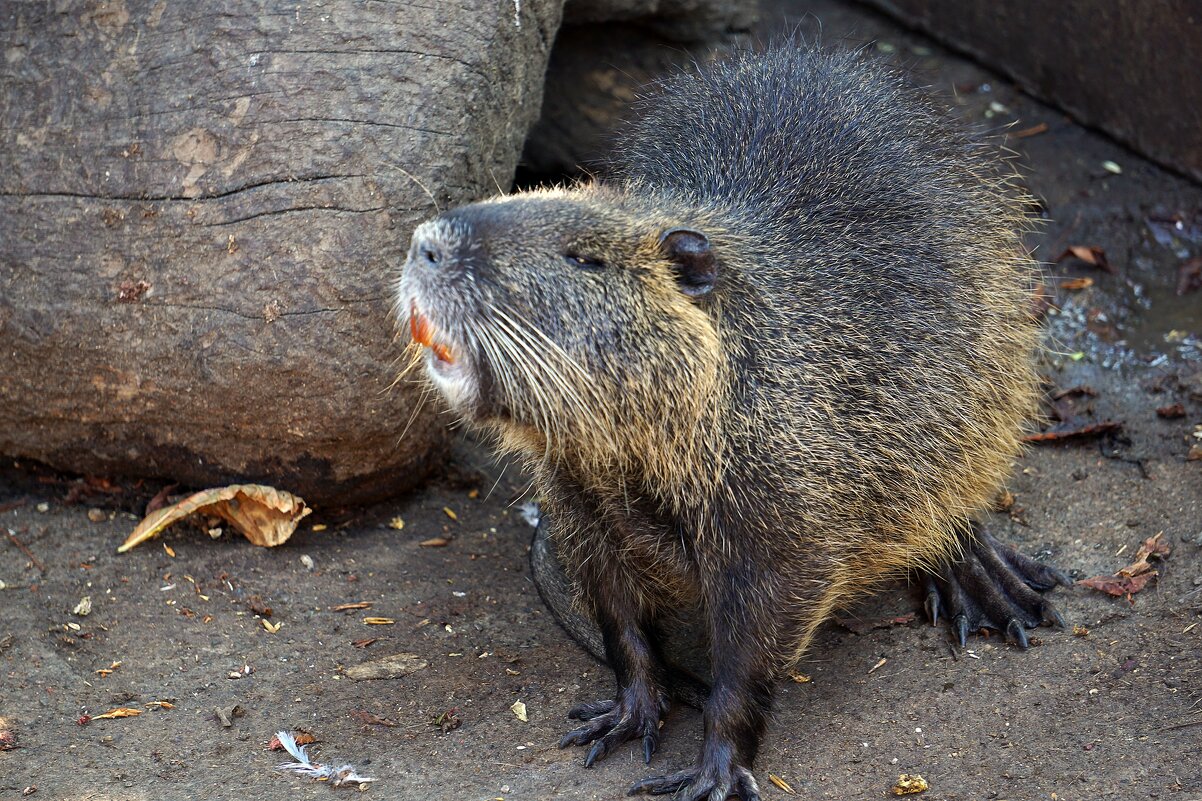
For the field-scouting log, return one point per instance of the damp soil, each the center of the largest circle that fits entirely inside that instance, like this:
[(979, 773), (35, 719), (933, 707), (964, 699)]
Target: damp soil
[(1109, 709)]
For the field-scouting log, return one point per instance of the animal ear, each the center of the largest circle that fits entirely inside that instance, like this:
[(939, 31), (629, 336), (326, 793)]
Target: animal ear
[(693, 260)]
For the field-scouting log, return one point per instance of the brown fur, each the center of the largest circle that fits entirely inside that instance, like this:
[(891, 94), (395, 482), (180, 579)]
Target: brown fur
[(833, 414)]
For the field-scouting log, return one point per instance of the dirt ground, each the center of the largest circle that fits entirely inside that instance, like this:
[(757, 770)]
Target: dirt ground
[(1114, 712)]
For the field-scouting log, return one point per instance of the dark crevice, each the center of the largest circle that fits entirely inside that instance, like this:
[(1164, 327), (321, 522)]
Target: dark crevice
[(236, 313), (433, 131), (293, 210), (180, 198)]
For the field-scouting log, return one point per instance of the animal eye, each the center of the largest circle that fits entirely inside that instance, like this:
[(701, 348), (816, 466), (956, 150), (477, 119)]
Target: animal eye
[(584, 261)]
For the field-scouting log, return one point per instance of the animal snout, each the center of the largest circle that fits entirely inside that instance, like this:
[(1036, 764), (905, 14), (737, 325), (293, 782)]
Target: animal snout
[(426, 250)]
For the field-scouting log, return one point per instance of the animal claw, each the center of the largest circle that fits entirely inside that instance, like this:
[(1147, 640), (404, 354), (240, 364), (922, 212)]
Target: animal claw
[(993, 586), (960, 626), (595, 753), (1015, 630)]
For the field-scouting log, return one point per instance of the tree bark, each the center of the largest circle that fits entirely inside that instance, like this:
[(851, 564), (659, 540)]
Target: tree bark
[(204, 209)]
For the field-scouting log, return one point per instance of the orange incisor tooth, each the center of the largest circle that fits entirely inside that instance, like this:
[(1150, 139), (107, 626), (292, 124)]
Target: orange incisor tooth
[(443, 352), (419, 328)]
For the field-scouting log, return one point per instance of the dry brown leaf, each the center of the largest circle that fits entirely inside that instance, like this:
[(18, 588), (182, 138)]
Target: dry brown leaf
[(355, 605), (781, 783), (1076, 283), (1058, 433), (265, 516), (301, 738), (1119, 585), (160, 499), (1093, 256), (1034, 130), (119, 712), (435, 542), (1135, 576), (1152, 546)]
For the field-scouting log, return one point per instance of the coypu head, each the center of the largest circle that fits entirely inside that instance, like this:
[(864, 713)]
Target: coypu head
[(567, 321)]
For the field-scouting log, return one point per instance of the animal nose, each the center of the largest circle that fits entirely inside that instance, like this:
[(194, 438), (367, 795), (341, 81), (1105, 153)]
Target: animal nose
[(425, 251)]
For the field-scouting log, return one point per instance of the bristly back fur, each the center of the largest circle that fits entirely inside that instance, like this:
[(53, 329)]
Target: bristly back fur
[(876, 319), (835, 412), (781, 353)]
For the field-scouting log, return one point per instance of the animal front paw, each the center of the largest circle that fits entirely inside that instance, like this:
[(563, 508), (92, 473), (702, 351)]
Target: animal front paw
[(708, 782), (608, 724)]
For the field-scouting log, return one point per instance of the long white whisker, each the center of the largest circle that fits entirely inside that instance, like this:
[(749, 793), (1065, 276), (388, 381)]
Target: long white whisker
[(520, 336), (523, 336), (553, 346), (525, 362)]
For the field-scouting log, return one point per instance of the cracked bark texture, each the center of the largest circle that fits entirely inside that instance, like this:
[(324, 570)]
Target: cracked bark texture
[(202, 215)]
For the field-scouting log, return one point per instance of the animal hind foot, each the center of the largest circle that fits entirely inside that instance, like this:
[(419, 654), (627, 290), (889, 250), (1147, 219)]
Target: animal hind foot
[(608, 724), (993, 586), (703, 783)]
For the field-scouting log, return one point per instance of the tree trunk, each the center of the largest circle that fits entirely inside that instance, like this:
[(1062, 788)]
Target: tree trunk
[(204, 209)]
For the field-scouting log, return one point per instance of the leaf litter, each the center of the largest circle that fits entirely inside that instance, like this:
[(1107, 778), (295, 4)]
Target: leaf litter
[(264, 515), (1067, 407), (1091, 255), (1135, 576)]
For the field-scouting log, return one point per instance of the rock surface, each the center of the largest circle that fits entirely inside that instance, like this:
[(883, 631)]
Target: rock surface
[(204, 214), (679, 20), (1130, 68), (596, 72)]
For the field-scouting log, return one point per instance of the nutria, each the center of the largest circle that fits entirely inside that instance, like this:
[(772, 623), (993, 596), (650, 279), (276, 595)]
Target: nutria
[(781, 353)]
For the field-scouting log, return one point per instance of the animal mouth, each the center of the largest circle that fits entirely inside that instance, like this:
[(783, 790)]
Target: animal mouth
[(425, 334)]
